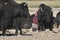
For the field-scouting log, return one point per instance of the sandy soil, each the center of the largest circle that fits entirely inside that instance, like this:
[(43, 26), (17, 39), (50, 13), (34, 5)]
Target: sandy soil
[(30, 35)]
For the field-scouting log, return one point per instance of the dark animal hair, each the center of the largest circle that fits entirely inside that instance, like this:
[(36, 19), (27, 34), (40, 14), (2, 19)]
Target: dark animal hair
[(58, 13)]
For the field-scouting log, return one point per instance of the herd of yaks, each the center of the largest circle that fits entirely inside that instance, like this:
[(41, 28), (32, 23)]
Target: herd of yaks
[(17, 16)]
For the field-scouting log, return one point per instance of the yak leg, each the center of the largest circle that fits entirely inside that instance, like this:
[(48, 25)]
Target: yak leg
[(4, 32), (21, 31), (57, 25), (51, 27), (16, 33)]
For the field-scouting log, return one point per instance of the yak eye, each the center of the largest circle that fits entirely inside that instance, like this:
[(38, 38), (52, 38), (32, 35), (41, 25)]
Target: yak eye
[(21, 10), (5, 3)]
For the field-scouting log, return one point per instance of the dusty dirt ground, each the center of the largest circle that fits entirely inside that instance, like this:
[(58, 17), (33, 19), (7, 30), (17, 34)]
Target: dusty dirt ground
[(30, 35)]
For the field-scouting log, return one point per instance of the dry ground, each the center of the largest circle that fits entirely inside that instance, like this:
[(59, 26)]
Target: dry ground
[(37, 3), (30, 35)]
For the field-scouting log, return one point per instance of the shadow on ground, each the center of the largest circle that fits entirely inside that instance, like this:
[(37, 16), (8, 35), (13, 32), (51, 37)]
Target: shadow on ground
[(17, 35)]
